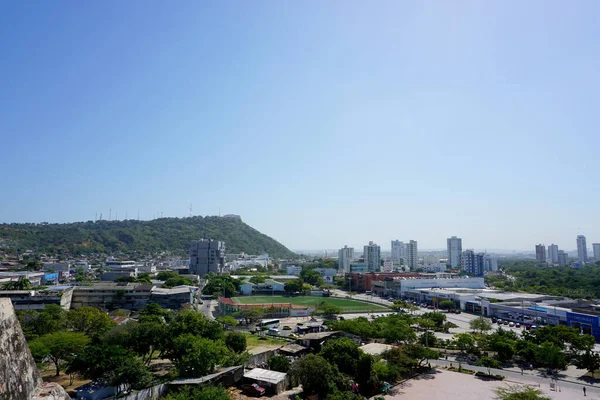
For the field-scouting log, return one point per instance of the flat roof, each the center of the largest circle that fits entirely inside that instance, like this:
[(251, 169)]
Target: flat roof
[(265, 375), (375, 349), (317, 335), (292, 348)]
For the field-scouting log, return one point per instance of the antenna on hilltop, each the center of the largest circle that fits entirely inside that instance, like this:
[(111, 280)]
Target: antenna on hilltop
[(109, 214), (190, 210)]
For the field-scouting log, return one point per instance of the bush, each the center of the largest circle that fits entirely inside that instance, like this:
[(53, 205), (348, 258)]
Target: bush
[(496, 377)]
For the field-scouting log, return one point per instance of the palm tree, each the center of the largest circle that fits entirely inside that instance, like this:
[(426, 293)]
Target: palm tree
[(21, 284)]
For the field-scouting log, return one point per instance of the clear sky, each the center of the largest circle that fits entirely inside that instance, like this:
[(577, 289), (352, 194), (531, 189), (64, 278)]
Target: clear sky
[(320, 123)]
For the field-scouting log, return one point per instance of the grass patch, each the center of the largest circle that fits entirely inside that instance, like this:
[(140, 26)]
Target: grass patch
[(462, 370), (348, 305), (253, 341)]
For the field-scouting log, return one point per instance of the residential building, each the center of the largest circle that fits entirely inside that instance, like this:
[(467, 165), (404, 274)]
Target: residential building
[(490, 262), (398, 251), (56, 267), (388, 266), (562, 258), (454, 245), (372, 254), (553, 254), (540, 253), (472, 263), (345, 257), (596, 247), (293, 270), (412, 256), (207, 255), (358, 266), (582, 255), (327, 273)]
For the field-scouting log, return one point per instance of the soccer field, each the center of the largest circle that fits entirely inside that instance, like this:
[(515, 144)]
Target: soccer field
[(347, 305)]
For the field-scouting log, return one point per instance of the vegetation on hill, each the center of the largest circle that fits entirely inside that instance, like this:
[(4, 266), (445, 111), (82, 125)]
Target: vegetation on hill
[(527, 276), (143, 237)]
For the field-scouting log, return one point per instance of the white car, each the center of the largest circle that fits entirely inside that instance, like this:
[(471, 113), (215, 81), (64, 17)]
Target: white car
[(511, 324)]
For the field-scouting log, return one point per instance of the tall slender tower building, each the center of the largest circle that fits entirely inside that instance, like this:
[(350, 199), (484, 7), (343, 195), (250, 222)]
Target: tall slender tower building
[(582, 255), (454, 251), (540, 253), (372, 254), (412, 256), (345, 257), (553, 254), (596, 247), (398, 250)]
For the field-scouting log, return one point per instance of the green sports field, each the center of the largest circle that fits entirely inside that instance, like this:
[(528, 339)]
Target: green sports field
[(347, 305)]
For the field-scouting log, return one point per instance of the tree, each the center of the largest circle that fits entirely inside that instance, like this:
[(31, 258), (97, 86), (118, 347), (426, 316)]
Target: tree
[(204, 393), (293, 286), (146, 338), (112, 365), (228, 320), (196, 356), (344, 353), (257, 279), (488, 363), (551, 356), (428, 339), (315, 374), (519, 392), (178, 281), (446, 305), (164, 275), (279, 363), (464, 341), (589, 360), (481, 325), (311, 277), (21, 284), (420, 353), (195, 323), (223, 285), (153, 312), (328, 309), (236, 341), (90, 321), (58, 347), (250, 314)]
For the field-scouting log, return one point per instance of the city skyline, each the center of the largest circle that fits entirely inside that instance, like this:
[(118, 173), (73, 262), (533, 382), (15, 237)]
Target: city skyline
[(470, 103)]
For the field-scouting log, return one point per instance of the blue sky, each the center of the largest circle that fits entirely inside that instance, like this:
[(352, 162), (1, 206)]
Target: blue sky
[(322, 124)]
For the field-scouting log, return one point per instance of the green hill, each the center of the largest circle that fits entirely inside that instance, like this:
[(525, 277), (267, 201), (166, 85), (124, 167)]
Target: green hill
[(132, 236)]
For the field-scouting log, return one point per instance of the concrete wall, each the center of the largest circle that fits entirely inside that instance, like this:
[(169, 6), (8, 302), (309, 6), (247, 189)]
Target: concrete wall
[(19, 376)]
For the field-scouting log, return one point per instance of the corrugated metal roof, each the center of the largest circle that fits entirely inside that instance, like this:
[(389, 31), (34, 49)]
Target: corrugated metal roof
[(265, 375)]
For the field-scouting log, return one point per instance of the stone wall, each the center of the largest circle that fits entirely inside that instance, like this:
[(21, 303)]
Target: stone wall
[(19, 376)]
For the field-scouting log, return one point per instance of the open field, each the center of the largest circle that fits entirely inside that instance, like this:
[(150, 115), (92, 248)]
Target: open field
[(347, 305)]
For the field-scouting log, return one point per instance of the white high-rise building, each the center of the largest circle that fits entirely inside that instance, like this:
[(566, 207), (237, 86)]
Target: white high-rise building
[(582, 255), (345, 257), (454, 251), (596, 247), (372, 255), (412, 257), (552, 254), (490, 262), (398, 250)]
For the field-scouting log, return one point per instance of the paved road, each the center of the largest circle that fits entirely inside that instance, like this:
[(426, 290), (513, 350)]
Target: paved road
[(528, 376)]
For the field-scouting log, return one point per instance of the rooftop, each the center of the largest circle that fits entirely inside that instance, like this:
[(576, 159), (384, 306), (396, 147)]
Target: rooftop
[(265, 375), (318, 335)]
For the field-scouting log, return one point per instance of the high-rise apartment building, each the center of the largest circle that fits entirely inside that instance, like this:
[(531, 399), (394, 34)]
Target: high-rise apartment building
[(372, 254), (412, 257), (454, 245), (207, 255), (345, 257), (582, 255), (472, 263), (398, 251), (540, 253), (552, 254), (562, 258), (490, 263), (596, 247)]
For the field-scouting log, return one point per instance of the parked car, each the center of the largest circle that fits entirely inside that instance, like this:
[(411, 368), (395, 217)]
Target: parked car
[(518, 325), (287, 328), (342, 318), (494, 320), (511, 324), (505, 322), (253, 389), (273, 331)]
